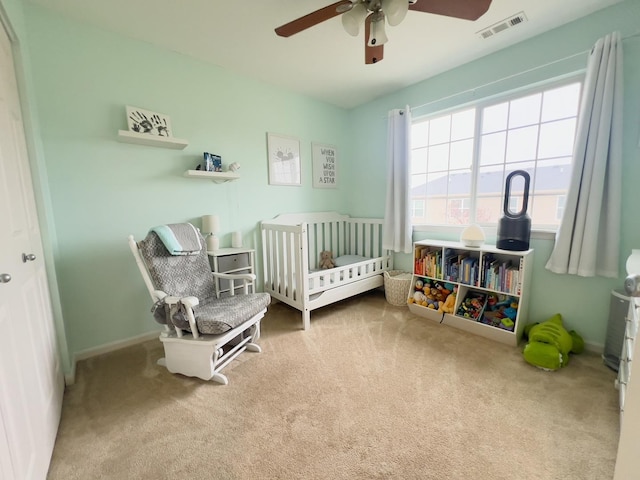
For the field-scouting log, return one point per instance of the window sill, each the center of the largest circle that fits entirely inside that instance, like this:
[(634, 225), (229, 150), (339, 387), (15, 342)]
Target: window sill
[(446, 232)]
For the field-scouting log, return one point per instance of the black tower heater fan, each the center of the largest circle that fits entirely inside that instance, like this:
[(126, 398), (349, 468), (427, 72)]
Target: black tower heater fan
[(514, 229)]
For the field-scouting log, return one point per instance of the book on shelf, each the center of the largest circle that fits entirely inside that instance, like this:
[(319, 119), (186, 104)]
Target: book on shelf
[(428, 262), (451, 265), (468, 274), (502, 274)]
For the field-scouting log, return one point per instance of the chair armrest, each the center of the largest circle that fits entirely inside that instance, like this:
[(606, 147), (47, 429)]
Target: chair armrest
[(171, 300), (190, 302), (249, 277), (246, 279), (158, 295)]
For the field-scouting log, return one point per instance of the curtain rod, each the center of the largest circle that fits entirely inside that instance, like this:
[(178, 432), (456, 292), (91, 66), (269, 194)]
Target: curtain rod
[(508, 77)]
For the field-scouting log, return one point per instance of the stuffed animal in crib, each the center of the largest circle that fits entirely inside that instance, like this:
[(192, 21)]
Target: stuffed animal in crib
[(550, 344), (326, 259)]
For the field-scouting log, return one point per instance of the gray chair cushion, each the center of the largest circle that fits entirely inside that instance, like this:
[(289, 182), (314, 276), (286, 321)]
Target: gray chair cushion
[(221, 315), (177, 275)]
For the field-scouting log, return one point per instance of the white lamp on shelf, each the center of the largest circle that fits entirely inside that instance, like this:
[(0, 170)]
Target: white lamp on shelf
[(472, 236), (211, 226)]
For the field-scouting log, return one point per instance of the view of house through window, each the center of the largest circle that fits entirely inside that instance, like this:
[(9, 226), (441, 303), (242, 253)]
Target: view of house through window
[(460, 161)]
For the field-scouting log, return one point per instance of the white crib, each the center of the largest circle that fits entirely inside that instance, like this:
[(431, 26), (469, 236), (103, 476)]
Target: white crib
[(291, 246)]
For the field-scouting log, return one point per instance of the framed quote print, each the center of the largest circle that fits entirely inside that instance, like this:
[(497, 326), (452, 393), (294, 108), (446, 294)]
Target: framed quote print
[(325, 165)]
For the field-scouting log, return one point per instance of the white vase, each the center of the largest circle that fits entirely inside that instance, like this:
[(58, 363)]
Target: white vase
[(236, 239), (213, 243), (633, 262)]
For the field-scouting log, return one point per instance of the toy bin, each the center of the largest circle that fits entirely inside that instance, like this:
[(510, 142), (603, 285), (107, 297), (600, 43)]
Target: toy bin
[(396, 287)]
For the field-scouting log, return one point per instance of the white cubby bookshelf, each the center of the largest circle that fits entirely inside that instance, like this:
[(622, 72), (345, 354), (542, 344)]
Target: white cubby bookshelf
[(498, 279)]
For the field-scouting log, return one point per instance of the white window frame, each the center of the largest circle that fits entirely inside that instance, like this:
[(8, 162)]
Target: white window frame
[(560, 199), (479, 106), (414, 203)]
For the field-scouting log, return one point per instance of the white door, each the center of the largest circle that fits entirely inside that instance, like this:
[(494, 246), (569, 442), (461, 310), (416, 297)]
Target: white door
[(31, 382)]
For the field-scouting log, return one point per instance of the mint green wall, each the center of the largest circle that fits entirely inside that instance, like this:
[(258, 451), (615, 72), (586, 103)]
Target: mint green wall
[(583, 302), (103, 190)]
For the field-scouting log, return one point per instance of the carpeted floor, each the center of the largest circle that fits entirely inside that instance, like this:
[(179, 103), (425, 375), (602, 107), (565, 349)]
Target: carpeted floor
[(369, 392)]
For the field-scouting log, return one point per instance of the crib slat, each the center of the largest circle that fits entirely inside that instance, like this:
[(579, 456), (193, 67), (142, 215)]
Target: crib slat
[(293, 250), (376, 240), (270, 269), (312, 231), (367, 240), (334, 238), (326, 237), (352, 238), (302, 272), (281, 271), (267, 235)]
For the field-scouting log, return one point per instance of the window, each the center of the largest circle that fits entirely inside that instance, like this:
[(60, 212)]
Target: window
[(417, 208), (560, 203), (460, 160)]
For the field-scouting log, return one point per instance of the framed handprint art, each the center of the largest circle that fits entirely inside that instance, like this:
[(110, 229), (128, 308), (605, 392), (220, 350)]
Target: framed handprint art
[(147, 122)]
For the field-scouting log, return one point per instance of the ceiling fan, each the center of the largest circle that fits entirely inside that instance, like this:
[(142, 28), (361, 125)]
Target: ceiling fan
[(372, 14)]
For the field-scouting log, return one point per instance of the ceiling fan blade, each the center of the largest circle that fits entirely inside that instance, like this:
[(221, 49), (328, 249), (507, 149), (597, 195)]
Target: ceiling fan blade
[(465, 9), (313, 18), (372, 54)]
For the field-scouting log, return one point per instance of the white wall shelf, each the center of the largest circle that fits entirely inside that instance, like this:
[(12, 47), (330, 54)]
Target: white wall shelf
[(217, 177), (151, 140)]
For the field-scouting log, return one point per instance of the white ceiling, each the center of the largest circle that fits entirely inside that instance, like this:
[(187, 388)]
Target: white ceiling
[(323, 61)]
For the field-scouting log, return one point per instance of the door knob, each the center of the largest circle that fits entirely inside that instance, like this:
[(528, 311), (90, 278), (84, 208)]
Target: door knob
[(28, 257), (5, 278)]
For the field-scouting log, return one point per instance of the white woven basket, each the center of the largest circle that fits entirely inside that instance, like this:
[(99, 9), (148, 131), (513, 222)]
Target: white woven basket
[(396, 287)]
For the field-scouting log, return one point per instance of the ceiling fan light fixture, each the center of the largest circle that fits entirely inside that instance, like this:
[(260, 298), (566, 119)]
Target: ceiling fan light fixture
[(395, 10), (378, 36), (352, 19)]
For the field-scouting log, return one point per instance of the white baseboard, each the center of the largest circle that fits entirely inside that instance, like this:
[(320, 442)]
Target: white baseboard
[(70, 378), (594, 347)]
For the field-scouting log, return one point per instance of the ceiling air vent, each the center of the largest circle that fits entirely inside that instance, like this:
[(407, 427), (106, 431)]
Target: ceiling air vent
[(503, 25)]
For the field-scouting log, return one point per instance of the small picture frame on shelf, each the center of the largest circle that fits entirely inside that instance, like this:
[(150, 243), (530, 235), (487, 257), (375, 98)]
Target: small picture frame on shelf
[(148, 122), (212, 162)]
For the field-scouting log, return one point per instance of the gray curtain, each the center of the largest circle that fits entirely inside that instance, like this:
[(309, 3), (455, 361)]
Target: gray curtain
[(587, 242), (397, 218)]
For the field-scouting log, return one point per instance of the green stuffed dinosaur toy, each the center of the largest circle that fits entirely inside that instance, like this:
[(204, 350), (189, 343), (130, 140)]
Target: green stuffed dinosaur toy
[(550, 344)]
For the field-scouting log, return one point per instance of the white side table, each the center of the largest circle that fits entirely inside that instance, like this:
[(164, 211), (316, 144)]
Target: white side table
[(232, 260)]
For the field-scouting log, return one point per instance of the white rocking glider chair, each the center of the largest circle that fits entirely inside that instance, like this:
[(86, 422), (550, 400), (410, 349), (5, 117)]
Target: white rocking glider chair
[(202, 333)]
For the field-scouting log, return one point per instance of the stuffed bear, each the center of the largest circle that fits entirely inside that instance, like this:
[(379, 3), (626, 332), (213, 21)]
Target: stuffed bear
[(326, 259)]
